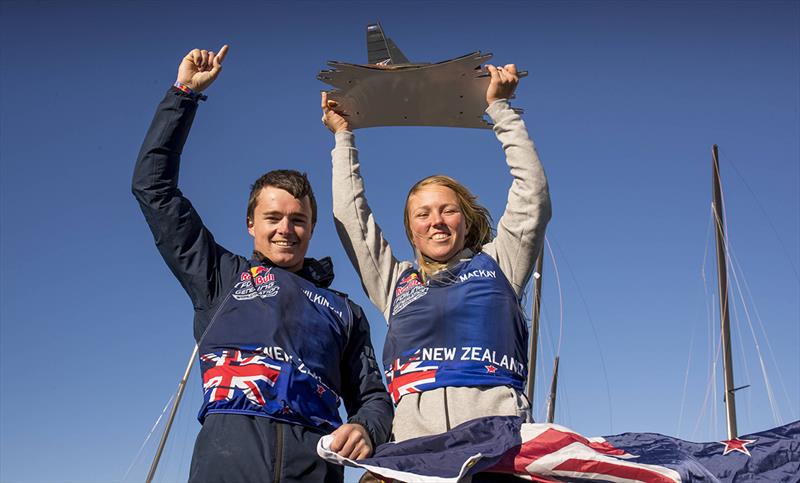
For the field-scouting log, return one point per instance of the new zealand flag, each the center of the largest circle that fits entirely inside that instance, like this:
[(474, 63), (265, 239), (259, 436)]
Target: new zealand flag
[(553, 453)]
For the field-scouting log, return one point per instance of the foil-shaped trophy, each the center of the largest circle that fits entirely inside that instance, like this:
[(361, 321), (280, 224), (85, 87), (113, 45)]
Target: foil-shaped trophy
[(392, 91)]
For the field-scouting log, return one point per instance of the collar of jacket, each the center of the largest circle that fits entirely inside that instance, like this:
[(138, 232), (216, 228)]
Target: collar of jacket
[(319, 272), (459, 257)]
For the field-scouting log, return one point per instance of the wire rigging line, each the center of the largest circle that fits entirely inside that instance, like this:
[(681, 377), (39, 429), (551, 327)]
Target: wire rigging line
[(739, 337), (768, 386), (541, 361), (766, 216), (594, 333), (185, 434), (548, 333), (714, 352), (709, 320), (685, 385), (770, 393), (147, 438), (766, 339), (560, 295)]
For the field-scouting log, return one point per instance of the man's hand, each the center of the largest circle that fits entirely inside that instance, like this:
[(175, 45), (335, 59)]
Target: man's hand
[(333, 119), (352, 441), (504, 81), (200, 68)]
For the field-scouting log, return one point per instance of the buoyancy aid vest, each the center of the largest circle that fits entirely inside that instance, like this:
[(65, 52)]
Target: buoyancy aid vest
[(272, 349), (463, 327)]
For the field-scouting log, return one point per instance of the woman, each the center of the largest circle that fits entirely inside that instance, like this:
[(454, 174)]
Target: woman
[(456, 347)]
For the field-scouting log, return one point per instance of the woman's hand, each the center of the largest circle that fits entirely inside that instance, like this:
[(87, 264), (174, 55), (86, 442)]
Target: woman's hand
[(331, 118), (503, 82), (200, 68)]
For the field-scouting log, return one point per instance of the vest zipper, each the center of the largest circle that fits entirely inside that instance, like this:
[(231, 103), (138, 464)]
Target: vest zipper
[(278, 451), (446, 411)]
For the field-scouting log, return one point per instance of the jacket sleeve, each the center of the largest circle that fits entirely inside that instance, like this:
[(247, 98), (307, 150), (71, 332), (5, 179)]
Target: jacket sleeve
[(520, 231), (186, 245), (363, 240), (364, 394)]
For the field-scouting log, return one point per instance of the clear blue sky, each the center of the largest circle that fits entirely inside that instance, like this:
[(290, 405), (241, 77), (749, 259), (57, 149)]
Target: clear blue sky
[(624, 100)]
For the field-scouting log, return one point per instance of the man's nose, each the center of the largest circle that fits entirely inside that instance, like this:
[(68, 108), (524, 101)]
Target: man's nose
[(284, 225)]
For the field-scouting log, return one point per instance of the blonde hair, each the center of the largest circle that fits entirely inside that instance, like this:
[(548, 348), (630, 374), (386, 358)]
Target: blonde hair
[(479, 230)]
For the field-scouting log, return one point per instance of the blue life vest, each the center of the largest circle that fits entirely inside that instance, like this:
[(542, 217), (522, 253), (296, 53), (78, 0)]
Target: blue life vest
[(269, 347), (464, 327)]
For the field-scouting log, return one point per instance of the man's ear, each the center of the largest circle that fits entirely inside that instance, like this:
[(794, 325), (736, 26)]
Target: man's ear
[(250, 228)]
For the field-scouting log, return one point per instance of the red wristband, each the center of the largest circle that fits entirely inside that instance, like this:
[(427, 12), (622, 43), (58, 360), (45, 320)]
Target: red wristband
[(189, 92)]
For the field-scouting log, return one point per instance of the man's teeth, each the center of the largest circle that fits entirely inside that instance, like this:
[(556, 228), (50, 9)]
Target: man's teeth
[(283, 243), (440, 236)]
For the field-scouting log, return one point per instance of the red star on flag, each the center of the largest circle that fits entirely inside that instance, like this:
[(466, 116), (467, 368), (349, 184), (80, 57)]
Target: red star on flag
[(737, 444), (490, 369), (286, 410), (320, 389)]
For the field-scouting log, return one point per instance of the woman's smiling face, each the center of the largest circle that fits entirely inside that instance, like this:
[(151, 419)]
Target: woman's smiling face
[(437, 223)]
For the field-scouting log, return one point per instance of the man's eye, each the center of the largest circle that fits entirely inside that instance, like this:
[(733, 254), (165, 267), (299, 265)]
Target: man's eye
[(421, 214)]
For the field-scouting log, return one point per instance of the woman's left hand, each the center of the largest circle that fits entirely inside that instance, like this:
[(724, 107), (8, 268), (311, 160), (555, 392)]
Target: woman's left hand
[(503, 82), (332, 118)]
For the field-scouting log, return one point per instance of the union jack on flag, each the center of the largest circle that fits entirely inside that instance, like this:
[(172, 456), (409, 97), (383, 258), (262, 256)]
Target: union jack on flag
[(553, 453), (232, 371), (407, 378), (550, 450)]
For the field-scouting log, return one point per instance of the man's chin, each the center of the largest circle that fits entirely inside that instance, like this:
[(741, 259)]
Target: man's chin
[(289, 263)]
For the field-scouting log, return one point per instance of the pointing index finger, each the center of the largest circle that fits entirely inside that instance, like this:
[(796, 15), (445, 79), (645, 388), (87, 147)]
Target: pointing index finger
[(222, 53)]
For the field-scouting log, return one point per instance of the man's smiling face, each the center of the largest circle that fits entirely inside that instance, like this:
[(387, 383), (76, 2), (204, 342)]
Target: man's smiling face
[(281, 227)]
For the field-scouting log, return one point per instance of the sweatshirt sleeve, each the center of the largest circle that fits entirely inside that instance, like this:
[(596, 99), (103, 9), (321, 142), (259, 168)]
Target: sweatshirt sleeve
[(186, 245), (520, 231), (361, 236), (365, 396)]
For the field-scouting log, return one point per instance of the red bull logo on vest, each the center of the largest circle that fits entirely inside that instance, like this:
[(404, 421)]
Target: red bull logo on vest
[(266, 284), (407, 283)]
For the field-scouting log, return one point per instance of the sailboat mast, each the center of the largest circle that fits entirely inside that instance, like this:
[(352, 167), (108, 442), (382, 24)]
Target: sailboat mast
[(533, 343), (551, 400), (722, 278), (168, 426)]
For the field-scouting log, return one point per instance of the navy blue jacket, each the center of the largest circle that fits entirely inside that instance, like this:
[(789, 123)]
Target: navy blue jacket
[(210, 274)]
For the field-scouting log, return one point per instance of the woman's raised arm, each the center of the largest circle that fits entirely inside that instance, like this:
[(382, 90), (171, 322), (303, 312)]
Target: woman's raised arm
[(360, 235), (520, 231)]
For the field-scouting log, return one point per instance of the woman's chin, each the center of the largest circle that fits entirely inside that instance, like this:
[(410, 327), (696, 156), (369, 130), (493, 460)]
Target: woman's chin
[(440, 256)]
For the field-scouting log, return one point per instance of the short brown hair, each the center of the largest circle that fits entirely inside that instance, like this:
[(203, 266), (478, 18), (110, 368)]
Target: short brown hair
[(294, 182), (478, 219)]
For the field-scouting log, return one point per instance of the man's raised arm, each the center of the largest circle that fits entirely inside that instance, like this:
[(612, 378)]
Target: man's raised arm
[(185, 244)]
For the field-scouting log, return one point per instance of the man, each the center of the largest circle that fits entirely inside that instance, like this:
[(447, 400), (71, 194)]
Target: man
[(278, 348)]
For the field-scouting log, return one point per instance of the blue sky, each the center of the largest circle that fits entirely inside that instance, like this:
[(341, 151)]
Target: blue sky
[(624, 100)]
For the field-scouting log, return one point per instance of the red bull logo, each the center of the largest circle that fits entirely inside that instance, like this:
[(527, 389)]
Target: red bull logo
[(407, 284), (260, 275)]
